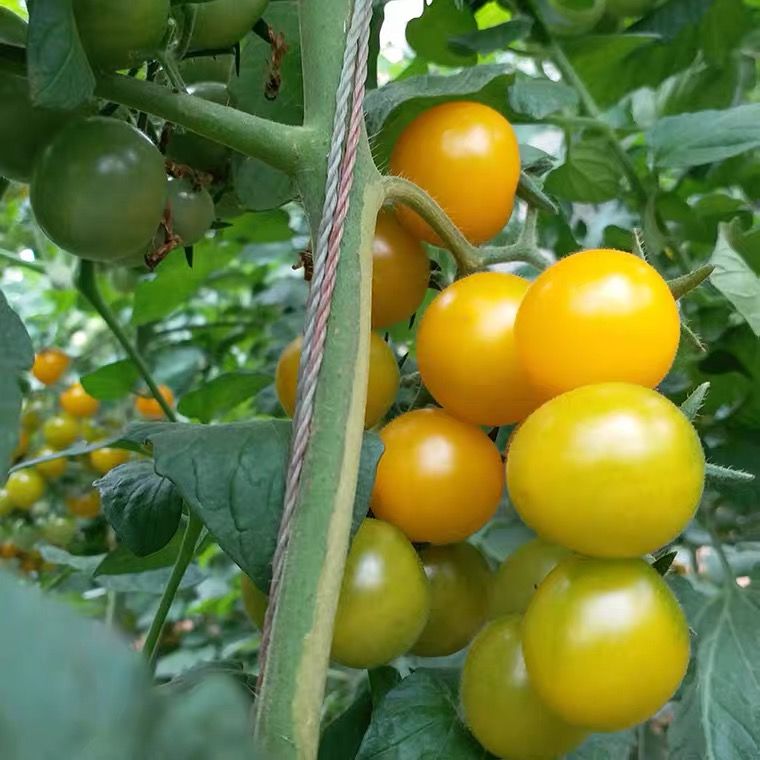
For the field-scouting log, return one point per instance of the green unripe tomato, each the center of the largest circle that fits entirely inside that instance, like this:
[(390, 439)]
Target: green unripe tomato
[(628, 8), (99, 189), (193, 150), (500, 706), (58, 531), (521, 573), (221, 23), (117, 34), (24, 129), (568, 18), (192, 210), (459, 579), (207, 68)]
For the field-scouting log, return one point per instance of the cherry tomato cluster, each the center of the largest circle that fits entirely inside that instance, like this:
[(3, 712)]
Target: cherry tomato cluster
[(581, 634)]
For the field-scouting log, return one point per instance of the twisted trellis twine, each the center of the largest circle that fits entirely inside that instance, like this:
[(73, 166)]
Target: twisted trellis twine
[(340, 165)]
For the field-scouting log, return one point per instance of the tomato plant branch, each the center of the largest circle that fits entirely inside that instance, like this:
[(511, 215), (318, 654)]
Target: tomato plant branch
[(728, 571), (469, 257), (277, 144), (16, 261)]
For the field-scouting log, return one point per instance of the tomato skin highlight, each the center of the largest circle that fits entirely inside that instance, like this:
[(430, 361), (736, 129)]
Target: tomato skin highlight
[(594, 317), (520, 575), (50, 365), (500, 705), (384, 598), (400, 272), (438, 479), (460, 582), (465, 155), (382, 386), (466, 350), (608, 470), (606, 643)]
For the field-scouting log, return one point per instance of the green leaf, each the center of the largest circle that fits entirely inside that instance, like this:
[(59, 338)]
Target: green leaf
[(342, 738), (589, 175), (143, 508), (498, 37), (605, 746), (13, 28), (389, 109), (85, 563), (419, 714), (232, 477), (260, 187), (672, 17), (381, 681), (718, 714), (693, 402), (222, 394), (680, 141), (16, 356), (429, 34), (249, 90), (538, 98), (734, 278), (59, 72), (112, 381)]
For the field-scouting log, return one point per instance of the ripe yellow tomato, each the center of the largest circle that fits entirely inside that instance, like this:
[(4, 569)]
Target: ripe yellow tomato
[(53, 468), (500, 704), (609, 470), (438, 479), (594, 317), (465, 155), (466, 350), (22, 446), (381, 388), (86, 505), (460, 581), (24, 488), (50, 365), (6, 505), (77, 402), (60, 432), (148, 408), (605, 642), (104, 460), (521, 574), (400, 272), (384, 598)]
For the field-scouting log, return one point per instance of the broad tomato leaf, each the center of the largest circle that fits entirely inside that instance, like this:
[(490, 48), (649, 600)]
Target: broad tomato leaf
[(260, 187), (540, 97), (112, 381), (342, 738), (429, 34), (589, 175), (222, 394), (494, 38)]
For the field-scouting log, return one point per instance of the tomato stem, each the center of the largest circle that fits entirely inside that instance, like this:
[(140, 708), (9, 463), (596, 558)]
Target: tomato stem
[(728, 571), (16, 261)]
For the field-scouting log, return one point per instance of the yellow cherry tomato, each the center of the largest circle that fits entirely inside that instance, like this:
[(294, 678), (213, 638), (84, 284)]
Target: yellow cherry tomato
[(149, 408), (60, 432), (460, 581), (22, 446), (77, 402), (594, 317), (438, 479), (104, 460), (50, 365), (466, 350), (52, 468), (90, 431), (6, 505), (384, 598), (86, 505), (521, 574), (500, 704), (465, 155), (24, 488), (31, 417), (605, 642), (400, 272), (609, 470), (381, 388)]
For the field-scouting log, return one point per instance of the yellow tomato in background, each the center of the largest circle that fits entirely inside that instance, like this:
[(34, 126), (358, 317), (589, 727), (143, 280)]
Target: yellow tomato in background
[(50, 365), (77, 402)]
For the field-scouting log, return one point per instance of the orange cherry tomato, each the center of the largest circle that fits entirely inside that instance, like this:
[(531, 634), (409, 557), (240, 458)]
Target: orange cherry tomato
[(400, 272), (466, 350), (438, 479), (77, 402), (465, 155), (104, 460), (86, 505), (50, 365), (381, 388), (149, 408), (597, 316)]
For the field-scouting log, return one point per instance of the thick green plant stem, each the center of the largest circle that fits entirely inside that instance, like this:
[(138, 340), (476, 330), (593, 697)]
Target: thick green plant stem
[(279, 145), (288, 709), (87, 285), (184, 558), (469, 257)]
